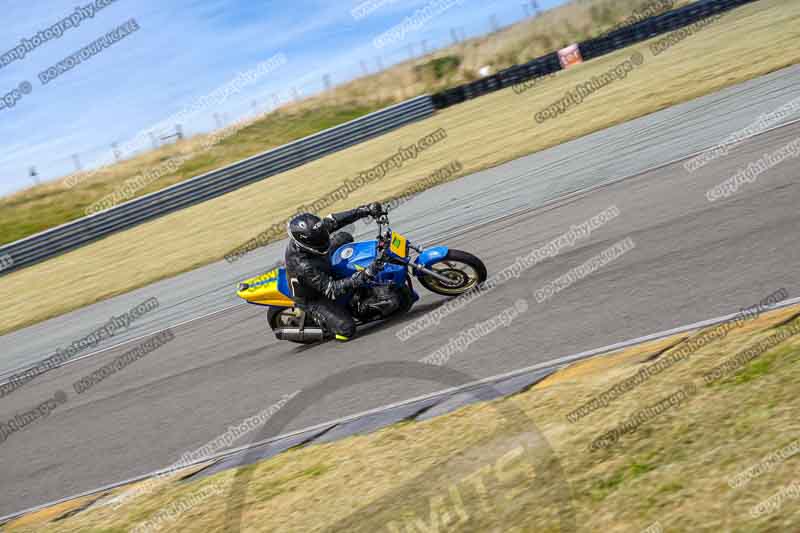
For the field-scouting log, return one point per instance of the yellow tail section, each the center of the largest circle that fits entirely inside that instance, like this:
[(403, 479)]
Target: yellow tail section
[(267, 289)]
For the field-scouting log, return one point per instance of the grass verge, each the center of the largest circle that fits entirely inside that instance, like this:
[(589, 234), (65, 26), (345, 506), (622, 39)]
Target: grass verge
[(481, 133), (50, 204), (460, 472)]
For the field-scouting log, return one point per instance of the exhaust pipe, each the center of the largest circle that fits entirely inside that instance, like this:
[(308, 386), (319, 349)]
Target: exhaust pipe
[(300, 335)]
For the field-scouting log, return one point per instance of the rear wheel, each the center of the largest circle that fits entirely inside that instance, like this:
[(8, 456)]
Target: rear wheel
[(289, 317), (464, 269)]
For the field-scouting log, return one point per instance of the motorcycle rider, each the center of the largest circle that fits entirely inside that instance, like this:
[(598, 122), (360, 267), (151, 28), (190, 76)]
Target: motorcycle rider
[(308, 267)]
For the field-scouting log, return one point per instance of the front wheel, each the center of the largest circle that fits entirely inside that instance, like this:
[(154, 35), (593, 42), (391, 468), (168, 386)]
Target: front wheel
[(464, 269)]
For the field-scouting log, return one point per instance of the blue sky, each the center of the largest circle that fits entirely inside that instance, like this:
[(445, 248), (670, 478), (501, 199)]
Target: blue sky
[(185, 49)]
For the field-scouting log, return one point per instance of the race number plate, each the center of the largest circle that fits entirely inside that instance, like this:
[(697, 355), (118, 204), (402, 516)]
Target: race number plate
[(399, 245)]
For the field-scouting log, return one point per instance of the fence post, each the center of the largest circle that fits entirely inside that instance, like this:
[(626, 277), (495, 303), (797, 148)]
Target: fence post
[(34, 175), (454, 35)]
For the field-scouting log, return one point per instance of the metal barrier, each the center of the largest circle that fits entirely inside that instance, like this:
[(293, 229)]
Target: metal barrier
[(201, 188), (621, 38), (74, 234)]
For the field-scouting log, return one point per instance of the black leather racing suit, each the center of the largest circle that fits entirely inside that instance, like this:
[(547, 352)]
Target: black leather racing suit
[(312, 283)]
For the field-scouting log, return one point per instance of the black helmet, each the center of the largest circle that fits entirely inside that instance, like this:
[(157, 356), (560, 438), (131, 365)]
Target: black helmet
[(309, 233)]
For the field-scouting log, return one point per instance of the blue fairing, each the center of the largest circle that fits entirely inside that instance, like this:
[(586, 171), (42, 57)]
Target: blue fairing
[(362, 254), (431, 256), (357, 253)]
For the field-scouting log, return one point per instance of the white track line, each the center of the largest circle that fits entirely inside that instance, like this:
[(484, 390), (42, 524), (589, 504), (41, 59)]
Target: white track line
[(556, 364), (562, 361)]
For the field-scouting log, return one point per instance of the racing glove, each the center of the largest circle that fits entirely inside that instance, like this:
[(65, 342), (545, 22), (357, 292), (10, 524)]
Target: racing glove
[(374, 209)]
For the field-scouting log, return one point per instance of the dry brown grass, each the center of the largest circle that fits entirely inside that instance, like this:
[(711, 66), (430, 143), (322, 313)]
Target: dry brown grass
[(481, 133), (51, 204), (513, 45), (674, 469), (38, 208)]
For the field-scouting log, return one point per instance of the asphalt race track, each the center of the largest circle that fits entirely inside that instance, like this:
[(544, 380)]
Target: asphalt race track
[(693, 260), (527, 182)]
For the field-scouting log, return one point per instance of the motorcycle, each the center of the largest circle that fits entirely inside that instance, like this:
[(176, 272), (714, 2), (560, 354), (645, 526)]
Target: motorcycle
[(390, 292)]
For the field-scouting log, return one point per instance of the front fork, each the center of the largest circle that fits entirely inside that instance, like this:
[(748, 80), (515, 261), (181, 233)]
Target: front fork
[(431, 273), (424, 270)]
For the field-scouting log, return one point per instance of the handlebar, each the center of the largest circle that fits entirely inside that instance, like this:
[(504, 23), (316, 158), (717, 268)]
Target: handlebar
[(383, 213)]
